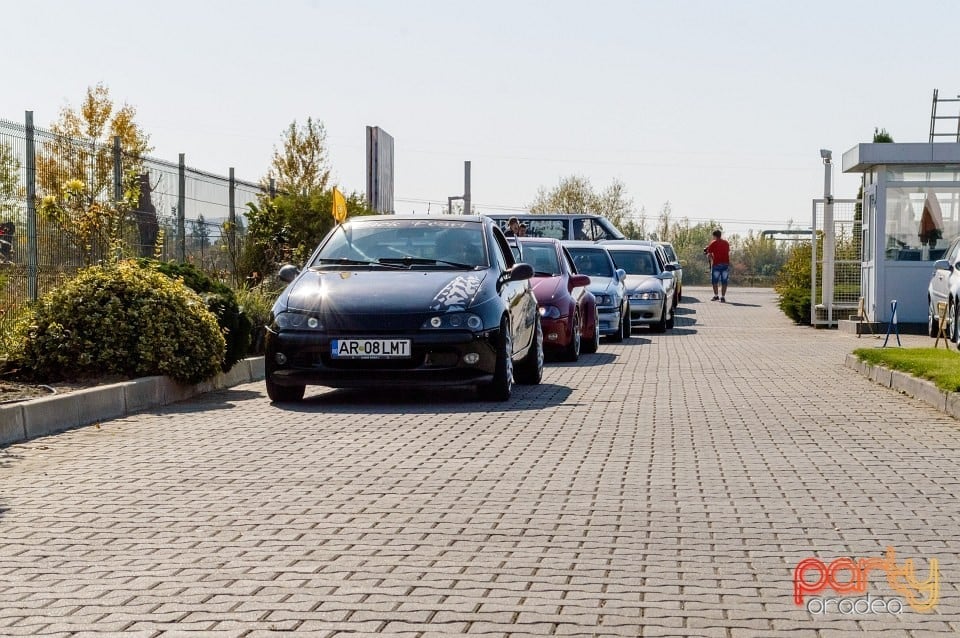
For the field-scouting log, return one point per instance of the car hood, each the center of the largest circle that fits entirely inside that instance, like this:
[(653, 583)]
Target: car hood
[(602, 285), (547, 289), (642, 283), (380, 299)]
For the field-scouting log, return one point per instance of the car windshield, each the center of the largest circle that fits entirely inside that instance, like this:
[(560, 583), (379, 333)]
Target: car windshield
[(413, 244), (635, 262), (543, 258), (592, 261)]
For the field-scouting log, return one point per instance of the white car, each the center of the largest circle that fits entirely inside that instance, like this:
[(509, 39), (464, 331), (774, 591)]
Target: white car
[(672, 258), (944, 287), (650, 283)]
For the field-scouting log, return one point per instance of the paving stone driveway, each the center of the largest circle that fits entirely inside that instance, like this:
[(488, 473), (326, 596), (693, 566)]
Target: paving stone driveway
[(665, 486)]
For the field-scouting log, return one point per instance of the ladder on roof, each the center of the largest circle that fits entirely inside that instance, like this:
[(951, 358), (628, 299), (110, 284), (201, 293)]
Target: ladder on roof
[(934, 118)]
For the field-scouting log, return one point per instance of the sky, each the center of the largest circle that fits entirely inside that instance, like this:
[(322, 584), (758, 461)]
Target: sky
[(717, 108)]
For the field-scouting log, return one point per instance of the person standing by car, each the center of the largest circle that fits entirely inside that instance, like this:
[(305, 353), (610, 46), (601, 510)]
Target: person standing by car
[(513, 227), (718, 252)]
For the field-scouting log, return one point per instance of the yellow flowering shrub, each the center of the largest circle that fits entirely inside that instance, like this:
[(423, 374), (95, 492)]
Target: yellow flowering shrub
[(126, 320)]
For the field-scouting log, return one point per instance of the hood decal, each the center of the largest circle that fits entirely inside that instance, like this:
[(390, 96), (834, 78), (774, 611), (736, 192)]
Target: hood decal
[(457, 293)]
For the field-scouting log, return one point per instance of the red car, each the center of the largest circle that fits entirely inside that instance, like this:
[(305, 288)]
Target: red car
[(568, 311)]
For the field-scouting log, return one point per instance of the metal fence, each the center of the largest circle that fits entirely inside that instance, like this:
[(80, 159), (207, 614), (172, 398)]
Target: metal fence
[(58, 195), (836, 255)]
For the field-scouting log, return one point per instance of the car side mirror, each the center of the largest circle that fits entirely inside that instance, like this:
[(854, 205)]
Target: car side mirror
[(669, 267), (520, 272), (941, 264), (666, 274), (288, 273), (579, 281), (621, 274)]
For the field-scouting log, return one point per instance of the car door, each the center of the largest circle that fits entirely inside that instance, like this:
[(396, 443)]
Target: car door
[(516, 295)]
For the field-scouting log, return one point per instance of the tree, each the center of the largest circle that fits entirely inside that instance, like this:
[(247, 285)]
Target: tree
[(9, 181), (880, 136), (287, 226), (75, 172), (575, 194), (301, 165)]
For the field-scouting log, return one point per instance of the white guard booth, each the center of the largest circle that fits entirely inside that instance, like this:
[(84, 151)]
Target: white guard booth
[(911, 212)]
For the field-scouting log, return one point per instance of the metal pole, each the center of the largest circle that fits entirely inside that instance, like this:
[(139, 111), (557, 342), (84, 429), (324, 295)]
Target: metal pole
[(31, 176), (232, 238), (466, 188), (181, 210), (829, 238)]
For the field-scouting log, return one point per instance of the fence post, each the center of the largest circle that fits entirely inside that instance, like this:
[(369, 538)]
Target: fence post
[(181, 211), (117, 171), (31, 176), (232, 236)]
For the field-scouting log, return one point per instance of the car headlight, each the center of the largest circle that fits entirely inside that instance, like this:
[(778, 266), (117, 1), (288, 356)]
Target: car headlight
[(549, 312), (604, 300), (453, 321), (644, 296), (297, 321)]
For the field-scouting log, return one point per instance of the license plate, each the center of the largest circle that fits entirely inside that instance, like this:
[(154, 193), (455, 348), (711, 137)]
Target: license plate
[(370, 348)]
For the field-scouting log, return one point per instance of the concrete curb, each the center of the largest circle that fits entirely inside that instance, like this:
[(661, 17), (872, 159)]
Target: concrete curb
[(39, 417), (926, 391)]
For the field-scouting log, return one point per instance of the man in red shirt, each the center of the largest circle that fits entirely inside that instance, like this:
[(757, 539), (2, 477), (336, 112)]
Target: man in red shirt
[(718, 252)]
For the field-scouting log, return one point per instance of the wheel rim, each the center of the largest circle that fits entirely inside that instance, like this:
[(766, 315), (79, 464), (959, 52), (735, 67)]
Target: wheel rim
[(576, 334), (508, 348)]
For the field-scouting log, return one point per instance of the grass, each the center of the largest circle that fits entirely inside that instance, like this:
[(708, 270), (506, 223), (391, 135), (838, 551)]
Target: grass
[(940, 366)]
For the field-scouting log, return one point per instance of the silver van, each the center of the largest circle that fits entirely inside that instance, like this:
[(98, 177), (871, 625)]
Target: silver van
[(563, 226)]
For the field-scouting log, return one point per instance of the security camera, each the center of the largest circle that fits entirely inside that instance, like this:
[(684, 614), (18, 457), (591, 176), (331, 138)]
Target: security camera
[(825, 154)]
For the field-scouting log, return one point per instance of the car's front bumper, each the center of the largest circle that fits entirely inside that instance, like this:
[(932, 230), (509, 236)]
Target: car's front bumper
[(557, 333), (609, 318), (645, 311), (436, 359)]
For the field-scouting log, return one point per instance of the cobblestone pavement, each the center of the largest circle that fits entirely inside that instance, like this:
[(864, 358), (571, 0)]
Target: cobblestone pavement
[(665, 486)]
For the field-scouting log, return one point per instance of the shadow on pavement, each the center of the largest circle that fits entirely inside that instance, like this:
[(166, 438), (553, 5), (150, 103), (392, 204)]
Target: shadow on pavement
[(597, 359), (426, 400), (217, 400)]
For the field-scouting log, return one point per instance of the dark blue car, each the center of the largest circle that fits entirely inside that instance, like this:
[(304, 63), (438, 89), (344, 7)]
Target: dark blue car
[(387, 300)]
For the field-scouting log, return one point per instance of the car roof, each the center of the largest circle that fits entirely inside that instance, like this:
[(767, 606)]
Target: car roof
[(499, 216), (420, 218), (538, 240), (583, 243), (624, 246)]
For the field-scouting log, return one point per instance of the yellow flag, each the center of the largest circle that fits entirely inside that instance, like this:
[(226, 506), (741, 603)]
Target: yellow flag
[(339, 206)]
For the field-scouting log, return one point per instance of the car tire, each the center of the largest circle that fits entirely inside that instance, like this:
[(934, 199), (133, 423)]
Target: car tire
[(572, 351), (660, 326), (953, 332), (670, 320), (530, 368), (501, 387), (593, 344), (621, 333), (932, 323), (284, 393)]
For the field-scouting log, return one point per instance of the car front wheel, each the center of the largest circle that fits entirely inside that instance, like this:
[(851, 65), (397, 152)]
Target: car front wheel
[(501, 387), (530, 368), (932, 323), (593, 344), (572, 351), (284, 393)]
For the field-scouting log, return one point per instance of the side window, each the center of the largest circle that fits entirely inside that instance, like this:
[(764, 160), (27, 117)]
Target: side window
[(661, 260), (596, 231), (502, 255), (567, 258)]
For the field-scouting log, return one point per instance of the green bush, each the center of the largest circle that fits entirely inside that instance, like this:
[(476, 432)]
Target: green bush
[(256, 302), (121, 320), (219, 299), (793, 284), (795, 303)]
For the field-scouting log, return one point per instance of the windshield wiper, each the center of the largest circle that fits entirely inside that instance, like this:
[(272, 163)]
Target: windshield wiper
[(409, 261), (352, 262)]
